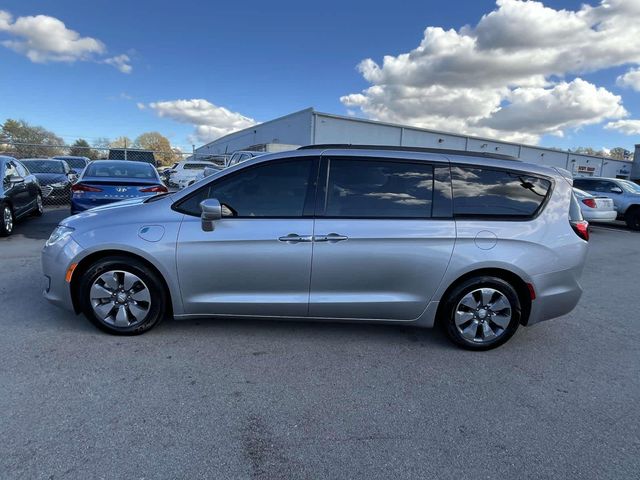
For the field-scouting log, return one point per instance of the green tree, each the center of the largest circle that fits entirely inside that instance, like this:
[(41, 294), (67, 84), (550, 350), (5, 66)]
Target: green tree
[(160, 145), (24, 140), (81, 148), (619, 153)]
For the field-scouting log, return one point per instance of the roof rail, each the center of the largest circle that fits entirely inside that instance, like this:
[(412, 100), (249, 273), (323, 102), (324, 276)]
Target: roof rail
[(444, 151)]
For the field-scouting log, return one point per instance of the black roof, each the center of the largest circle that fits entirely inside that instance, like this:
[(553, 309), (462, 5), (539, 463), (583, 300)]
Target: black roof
[(443, 151)]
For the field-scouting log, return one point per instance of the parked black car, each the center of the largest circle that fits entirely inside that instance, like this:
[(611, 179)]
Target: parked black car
[(55, 178), (20, 194)]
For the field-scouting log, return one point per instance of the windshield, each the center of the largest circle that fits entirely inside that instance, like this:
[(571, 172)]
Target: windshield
[(76, 162), (120, 169), (629, 186), (44, 166)]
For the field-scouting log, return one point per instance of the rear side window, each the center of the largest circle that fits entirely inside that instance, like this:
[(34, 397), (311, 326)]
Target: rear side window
[(496, 193), (382, 189)]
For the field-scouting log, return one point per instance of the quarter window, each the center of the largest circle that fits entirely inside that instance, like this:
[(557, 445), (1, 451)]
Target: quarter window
[(268, 190), (379, 188), (496, 193)]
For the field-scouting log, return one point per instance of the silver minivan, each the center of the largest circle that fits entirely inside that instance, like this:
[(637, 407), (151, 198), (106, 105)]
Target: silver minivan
[(476, 244)]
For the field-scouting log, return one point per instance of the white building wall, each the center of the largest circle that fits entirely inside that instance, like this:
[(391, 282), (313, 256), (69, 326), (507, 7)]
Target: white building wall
[(309, 127)]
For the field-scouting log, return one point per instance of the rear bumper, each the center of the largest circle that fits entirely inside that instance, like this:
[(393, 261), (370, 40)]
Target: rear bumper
[(600, 215), (557, 294)]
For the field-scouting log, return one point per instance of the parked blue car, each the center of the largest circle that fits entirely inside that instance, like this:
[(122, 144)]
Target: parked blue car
[(109, 181)]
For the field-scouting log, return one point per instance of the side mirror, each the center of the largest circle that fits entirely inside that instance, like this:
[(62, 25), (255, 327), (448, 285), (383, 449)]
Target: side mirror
[(616, 190), (14, 179), (211, 211)]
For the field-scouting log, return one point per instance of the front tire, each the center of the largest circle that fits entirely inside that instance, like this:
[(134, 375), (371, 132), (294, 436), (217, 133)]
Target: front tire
[(122, 296), (7, 220), (481, 313), (632, 218)]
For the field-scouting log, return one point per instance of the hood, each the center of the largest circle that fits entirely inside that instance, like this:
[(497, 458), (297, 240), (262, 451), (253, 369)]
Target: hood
[(49, 178)]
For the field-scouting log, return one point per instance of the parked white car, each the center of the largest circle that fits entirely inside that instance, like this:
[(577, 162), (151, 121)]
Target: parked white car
[(184, 173), (595, 209)]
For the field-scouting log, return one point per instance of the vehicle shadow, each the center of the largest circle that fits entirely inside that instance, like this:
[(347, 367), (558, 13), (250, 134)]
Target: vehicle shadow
[(320, 331)]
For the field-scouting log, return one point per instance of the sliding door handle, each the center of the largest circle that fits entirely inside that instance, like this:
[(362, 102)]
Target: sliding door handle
[(295, 238), (331, 238)]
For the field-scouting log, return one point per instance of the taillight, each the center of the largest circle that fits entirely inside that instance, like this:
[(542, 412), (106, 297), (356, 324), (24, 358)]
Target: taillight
[(156, 189), (581, 228), (589, 202), (80, 187)]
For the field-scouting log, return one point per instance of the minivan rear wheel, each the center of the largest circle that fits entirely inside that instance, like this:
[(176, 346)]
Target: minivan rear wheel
[(482, 313), (122, 296)]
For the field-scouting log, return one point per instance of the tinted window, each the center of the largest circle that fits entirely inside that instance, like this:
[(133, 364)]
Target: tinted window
[(583, 184), (121, 169), (378, 188), (479, 191), (268, 190), (195, 166)]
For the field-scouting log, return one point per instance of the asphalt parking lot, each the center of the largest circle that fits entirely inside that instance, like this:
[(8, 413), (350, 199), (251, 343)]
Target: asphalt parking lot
[(245, 399)]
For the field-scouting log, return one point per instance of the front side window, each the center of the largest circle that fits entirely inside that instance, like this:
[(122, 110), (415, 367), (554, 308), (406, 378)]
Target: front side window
[(496, 193), (9, 171), (22, 171), (379, 188), (274, 189)]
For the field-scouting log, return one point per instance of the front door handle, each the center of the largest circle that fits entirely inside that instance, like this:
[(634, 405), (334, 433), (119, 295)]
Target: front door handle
[(331, 238), (295, 238)]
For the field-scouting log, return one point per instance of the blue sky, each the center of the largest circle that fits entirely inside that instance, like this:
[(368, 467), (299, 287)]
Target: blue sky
[(260, 59)]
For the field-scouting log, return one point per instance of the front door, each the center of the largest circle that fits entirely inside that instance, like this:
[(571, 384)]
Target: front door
[(379, 253), (257, 260)]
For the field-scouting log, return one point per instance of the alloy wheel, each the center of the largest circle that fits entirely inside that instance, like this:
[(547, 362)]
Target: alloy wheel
[(120, 299), (483, 315), (7, 218)]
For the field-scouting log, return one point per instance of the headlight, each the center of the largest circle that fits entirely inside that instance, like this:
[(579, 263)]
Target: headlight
[(60, 234), (59, 185)]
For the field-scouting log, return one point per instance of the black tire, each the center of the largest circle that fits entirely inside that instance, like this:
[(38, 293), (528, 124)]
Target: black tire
[(6, 227), (447, 320), (158, 303), (39, 210), (632, 218)]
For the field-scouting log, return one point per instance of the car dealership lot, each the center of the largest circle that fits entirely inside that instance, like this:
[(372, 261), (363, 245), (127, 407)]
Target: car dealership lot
[(245, 399)]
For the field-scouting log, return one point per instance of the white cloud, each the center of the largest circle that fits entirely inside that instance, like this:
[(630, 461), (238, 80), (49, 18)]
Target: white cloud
[(43, 39), (210, 121), (504, 77), (627, 127), (630, 79), (121, 62)]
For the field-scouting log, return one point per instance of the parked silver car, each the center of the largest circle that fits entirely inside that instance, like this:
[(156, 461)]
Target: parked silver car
[(624, 193), (477, 244), (595, 208)]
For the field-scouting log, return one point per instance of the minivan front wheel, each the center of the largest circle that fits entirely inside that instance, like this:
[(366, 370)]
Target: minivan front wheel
[(482, 313), (122, 296)]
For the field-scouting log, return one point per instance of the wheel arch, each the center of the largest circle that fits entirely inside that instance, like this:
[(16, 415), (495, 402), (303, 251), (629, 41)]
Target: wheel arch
[(521, 287), (87, 261)]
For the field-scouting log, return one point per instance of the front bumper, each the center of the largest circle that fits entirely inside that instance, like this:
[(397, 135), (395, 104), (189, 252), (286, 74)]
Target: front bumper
[(557, 294), (56, 260)]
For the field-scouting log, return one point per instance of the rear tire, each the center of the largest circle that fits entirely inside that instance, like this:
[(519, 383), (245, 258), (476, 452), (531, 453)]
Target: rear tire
[(632, 218), (481, 313), (7, 220), (122, 296)]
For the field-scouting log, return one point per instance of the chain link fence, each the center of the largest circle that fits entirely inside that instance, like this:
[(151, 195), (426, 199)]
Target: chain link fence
[(57, 178)]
